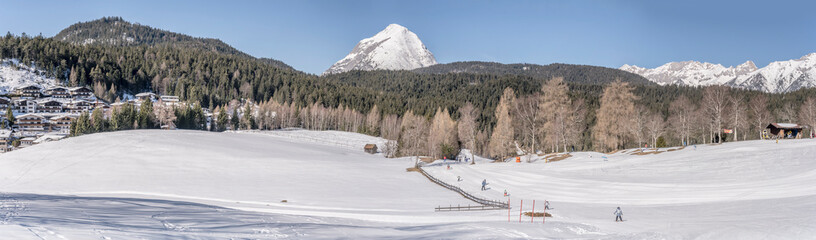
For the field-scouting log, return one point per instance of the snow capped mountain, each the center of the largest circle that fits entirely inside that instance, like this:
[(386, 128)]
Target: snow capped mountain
[(781, 76), (691, 73), (777, 77), (14, 75), (395, 48)]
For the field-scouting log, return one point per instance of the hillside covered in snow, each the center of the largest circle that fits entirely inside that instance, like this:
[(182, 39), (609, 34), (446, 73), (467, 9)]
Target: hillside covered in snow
[(394, 48), (777, 77), (289, 184), (14, 75)]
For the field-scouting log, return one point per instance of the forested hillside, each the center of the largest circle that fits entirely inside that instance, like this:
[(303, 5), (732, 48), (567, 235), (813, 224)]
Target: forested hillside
[(570, 72), (117, 32)]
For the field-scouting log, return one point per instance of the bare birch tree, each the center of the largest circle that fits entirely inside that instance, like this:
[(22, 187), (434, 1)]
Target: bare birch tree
[(715, 99), (759, 113), (527, 113), (655, 127), (681, 113), (737, 113)]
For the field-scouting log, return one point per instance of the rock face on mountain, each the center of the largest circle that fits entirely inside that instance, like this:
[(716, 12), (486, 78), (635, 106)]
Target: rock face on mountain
[(395, 48), (777, 77)]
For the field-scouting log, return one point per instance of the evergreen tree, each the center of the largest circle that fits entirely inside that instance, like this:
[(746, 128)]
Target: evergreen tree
[(248, 121), (99, 122), (223, 120), (234, 119), (147, 117), (10, 117)]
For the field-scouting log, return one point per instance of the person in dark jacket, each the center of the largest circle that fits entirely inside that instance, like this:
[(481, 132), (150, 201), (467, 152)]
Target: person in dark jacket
[(618, 214), (484, 184)]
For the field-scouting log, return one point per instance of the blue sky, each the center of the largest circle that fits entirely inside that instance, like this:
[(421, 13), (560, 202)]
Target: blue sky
[(312, 35)]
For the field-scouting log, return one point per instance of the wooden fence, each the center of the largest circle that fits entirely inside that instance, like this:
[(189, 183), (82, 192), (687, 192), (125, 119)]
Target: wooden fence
[(484, 202), (466, 208)]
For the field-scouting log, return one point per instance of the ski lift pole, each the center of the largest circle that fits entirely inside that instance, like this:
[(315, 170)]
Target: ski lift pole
[(521, 206)]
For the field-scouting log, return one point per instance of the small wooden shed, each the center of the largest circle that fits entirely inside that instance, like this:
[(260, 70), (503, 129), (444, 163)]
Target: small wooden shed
[(370, 148), (784, 130)]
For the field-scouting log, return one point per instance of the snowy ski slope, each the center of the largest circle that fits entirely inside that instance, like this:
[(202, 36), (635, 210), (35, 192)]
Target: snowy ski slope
[(156, 184)]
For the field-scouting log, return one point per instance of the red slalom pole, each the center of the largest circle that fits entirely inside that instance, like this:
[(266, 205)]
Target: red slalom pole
[(521, 206), (545, 213), (532, 215)]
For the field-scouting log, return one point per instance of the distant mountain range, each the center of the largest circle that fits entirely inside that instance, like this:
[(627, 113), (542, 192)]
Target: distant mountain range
[(394, 48), (777, 77)]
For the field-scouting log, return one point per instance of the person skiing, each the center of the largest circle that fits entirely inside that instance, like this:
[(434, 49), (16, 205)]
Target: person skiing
[(546, 205), (484, 184), (505, 192), (618, 214)]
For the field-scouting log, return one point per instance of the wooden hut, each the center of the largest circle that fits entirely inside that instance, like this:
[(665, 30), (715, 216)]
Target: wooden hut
[(370, 148), (784, 130)]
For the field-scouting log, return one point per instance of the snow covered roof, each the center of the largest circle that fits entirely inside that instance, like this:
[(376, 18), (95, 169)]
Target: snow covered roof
[(62, 116), (785, 125), (49, 137), (30, 115), (5, 133), (145, 94)]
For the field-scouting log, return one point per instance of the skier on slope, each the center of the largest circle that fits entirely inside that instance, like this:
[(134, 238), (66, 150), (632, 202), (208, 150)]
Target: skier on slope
[(618, 214), (546, 205), (484, 184)]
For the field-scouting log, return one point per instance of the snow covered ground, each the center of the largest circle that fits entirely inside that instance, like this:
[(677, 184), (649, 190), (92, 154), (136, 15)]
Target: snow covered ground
[(742, 190), (150, 184), (14, 75)]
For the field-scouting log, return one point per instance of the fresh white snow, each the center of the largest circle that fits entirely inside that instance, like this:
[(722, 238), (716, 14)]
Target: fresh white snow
[(394, 48), (14, 75), (203, 185)]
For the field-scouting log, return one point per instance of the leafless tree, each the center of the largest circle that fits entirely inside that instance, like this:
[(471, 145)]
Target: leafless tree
[(617, 105), (637, 125), (442, 133), (681, 113), (466, 127), (715, 99), (737, 114), (759, 113), (390, 127), (502, 143), (807, 113), (527, 113), (373, 120), (164, 114), (655, 127), (414, 135)]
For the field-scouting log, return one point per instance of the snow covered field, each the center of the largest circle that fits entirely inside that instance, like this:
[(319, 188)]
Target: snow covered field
[(151, 184)]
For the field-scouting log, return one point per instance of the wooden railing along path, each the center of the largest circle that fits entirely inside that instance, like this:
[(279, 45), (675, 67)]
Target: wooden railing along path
[(486, 204)]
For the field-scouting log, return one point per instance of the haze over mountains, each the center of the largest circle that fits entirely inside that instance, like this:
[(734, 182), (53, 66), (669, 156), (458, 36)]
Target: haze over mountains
[(777, 77)]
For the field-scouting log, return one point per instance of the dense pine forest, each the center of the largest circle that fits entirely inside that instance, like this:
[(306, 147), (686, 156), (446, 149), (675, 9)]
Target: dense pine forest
[(496, 109)]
